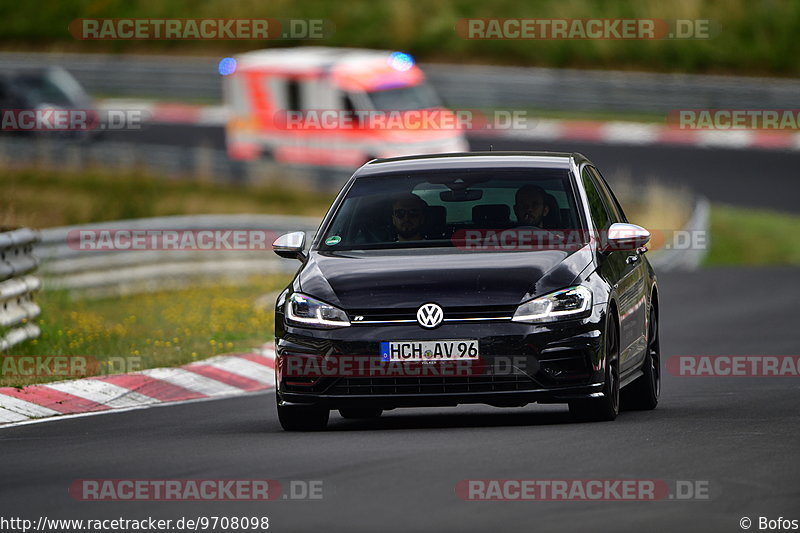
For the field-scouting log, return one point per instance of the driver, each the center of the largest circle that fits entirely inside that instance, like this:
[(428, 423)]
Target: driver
[(530, 206), (408, 217)]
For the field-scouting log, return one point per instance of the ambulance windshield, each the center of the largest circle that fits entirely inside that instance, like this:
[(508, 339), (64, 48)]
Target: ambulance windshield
[(420, 96)]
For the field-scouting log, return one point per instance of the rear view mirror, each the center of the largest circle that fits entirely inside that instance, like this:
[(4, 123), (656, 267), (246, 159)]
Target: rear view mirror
[(290, 245), (463, 195), (623, 237)]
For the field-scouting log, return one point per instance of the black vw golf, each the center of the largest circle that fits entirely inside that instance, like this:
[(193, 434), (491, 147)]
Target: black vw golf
[(495, 278)]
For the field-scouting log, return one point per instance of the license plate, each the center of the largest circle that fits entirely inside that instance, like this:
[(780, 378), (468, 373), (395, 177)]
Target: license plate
[(445, 350)]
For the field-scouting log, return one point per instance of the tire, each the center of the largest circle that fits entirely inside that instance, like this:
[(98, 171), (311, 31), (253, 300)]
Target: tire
[(642, 394), (360, 412), (302, 418), (603, 409)]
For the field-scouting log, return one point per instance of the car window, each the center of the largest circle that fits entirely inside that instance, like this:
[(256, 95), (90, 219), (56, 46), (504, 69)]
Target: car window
[(419, 96), (293, 100), (614, 209), (40, 88), (432, 209), (597, 206)]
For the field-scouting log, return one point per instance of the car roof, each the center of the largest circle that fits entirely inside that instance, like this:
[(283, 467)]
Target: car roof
[(464, 160), (307, 57)]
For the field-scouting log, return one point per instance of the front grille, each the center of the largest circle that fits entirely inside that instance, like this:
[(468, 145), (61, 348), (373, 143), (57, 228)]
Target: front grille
[(451, 313), (431, 385)]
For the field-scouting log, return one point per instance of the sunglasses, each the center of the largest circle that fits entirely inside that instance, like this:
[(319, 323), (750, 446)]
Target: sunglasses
[(401, 213)]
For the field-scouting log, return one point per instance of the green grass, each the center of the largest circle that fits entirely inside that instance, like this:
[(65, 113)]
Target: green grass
[(47, 199), (167, 328), (753, 237), (755, 37), (588, 115)]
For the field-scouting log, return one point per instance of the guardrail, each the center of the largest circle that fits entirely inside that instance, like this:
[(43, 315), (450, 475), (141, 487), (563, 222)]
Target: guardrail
[(17, 286), (584, 90), (65, 264), (468, 86)]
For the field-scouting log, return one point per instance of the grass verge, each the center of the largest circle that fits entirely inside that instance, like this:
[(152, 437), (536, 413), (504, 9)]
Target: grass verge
[(47, 199), (753, 237), (583, 115), (160, 329)]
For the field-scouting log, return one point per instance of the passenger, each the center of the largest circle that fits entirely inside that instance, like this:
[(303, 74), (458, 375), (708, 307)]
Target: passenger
[(530, 206), (408, 217)]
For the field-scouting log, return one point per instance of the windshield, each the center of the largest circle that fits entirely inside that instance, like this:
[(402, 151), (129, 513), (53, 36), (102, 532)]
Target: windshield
[(55, 87), (436, 209), (420, 96)]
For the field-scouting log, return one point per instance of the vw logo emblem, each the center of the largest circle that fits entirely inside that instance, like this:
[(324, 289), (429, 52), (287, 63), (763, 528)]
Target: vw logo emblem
[(430, 315)]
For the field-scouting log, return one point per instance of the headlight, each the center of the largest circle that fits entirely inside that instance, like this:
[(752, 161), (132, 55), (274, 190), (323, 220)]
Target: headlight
[(566, 303), (307, 311)]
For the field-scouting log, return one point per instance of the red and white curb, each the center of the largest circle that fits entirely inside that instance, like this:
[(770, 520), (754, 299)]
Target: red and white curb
[(220, 376), (610, 132), (637, 133)]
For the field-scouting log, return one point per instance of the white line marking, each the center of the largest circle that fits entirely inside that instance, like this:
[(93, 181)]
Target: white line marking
[(725, 139), (25, 408), (191, 381), (102, 392), (10, 416), (212, 116), (535, 129), (243, 367), (630, 132)]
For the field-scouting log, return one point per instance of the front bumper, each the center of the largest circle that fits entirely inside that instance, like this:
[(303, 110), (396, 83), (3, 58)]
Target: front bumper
[(519, 364)]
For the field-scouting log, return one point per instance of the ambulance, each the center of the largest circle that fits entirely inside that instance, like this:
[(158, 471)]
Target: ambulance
[(333, 107)]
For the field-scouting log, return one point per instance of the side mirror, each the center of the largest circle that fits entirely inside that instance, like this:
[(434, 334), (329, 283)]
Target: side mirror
[(290, 245), (623, 237)]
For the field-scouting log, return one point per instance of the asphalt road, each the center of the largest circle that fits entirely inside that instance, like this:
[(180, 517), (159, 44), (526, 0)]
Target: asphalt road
[(738, 435), (757, 178)]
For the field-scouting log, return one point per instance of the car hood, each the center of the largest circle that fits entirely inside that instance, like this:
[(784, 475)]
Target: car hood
[(388, 279)]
